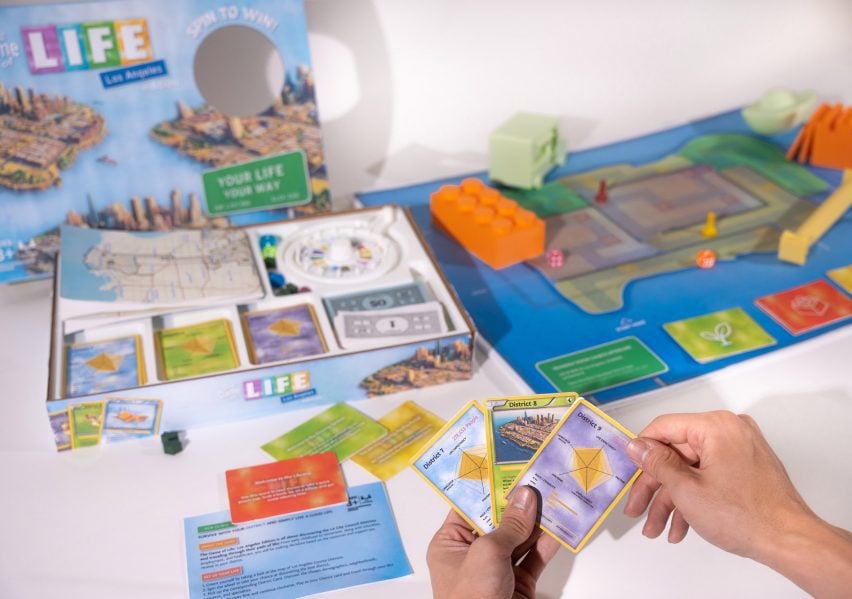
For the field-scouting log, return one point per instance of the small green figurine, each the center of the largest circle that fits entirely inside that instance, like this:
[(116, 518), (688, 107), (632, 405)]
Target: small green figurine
[(524, 149)]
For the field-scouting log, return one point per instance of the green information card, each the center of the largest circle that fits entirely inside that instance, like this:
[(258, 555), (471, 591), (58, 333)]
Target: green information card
[(341, 429), (719, 335), (602, 367), (276, 182)]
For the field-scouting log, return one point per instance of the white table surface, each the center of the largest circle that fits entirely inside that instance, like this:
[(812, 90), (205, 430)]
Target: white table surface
[(408, 91)]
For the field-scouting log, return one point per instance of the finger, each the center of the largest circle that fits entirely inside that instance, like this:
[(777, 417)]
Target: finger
[(670, 428), (454, 519), (455, 527), (659, 461), (679, 429), (539, 556), (658, 514), (641, 495), (688, 453), (678, 528), (524, 547), (518, 521)]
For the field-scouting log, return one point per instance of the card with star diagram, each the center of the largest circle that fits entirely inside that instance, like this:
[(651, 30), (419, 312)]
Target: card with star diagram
[(581, 471)]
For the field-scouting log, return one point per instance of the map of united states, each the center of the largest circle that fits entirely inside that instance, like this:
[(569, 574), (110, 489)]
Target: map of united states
[(171, 267)]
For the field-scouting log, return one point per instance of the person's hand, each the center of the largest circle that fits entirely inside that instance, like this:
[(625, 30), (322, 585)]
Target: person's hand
[(461, 564), (716, 473)]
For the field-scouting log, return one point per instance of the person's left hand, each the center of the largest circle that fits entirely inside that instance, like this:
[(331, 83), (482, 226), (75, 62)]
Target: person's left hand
[(461, 564)]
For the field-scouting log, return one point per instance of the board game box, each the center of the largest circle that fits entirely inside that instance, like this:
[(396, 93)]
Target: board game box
[(104, 124), (151, 336)]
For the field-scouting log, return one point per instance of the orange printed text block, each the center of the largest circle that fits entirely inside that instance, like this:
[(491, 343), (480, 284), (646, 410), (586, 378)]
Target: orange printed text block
[(285, 487)]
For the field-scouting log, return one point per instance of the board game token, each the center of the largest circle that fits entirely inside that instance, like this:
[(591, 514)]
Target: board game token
[(601, 196), (171, 442), (276, 279), (555, 258), (709, 229), (705, 259), (269, 249)]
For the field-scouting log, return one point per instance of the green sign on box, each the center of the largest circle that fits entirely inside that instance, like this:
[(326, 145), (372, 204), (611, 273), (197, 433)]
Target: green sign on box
[(277, 182), (602, 366)]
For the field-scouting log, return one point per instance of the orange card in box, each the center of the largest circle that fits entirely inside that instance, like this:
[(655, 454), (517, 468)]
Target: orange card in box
[(284, 487)]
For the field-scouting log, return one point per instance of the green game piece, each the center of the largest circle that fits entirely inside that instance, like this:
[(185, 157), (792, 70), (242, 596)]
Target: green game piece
[(171, 442), (524, 149), (719, 335), (602, 366), (779, 110)]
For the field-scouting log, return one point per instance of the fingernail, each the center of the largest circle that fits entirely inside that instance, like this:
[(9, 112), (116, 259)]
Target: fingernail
[(522, 498), (637, 449)]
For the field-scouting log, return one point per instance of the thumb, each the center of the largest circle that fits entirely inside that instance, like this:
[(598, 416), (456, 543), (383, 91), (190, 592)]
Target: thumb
[(660, 461), (518, 520)]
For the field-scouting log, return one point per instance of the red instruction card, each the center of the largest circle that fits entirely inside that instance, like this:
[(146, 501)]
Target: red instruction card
[(285, 487), (807, 307)]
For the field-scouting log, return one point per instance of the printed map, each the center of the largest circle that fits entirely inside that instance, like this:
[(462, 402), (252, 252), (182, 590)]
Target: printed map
[(156, 268)]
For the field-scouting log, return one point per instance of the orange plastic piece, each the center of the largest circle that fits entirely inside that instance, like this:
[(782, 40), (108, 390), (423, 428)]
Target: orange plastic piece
[(491, 227), (705, 259), (826, 139)]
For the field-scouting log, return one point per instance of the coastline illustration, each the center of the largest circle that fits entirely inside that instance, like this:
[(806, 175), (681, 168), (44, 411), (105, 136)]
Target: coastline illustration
[(291, 123), (41, 135), (518, 434), (425, 368), (528, 432), (38, 254)]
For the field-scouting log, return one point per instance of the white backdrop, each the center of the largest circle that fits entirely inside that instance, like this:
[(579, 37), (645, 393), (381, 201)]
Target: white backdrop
[(409, 91)]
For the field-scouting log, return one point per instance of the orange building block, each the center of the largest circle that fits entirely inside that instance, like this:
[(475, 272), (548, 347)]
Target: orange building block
[(491, 227), (826, 139)]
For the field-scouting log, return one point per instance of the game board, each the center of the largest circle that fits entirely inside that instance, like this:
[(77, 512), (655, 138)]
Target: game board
[(595, 324)]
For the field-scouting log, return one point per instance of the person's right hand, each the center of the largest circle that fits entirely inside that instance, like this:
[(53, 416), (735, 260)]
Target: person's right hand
[(715, 472), (718, 475)]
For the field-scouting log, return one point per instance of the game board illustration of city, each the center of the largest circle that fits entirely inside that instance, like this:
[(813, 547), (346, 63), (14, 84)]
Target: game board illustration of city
[(628, 310)]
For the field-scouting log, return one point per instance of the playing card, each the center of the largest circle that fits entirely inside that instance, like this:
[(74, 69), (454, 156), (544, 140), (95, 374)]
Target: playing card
[(581, 471)]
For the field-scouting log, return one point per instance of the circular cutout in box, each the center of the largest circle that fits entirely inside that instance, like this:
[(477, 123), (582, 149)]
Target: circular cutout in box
[(239, 71)]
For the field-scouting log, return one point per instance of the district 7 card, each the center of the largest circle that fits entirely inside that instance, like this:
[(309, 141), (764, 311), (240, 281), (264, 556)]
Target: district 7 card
[(455, 463), (581, 471)]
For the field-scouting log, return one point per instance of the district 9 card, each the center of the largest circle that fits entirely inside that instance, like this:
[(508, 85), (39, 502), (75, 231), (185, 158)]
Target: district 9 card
[(581, 471)]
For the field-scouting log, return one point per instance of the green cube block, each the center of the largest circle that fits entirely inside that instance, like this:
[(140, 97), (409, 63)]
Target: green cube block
[(524, 149), (172, 443)]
